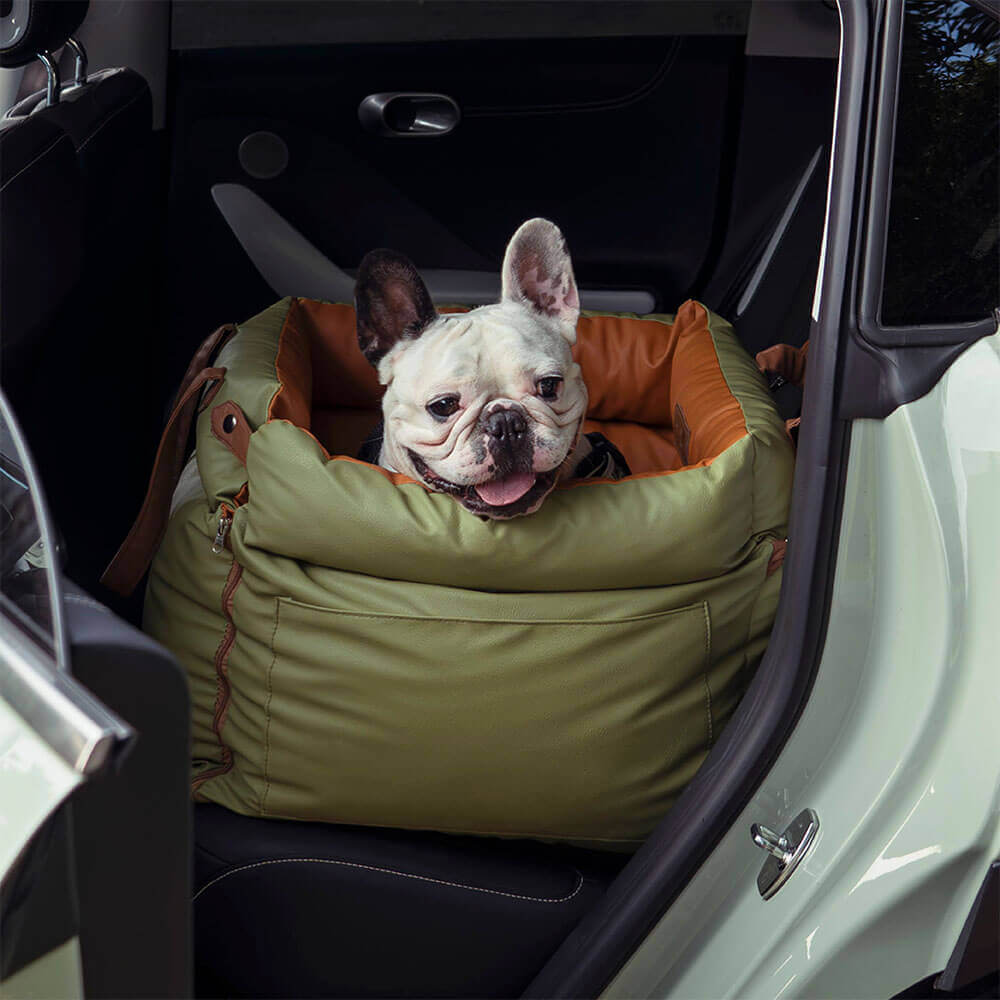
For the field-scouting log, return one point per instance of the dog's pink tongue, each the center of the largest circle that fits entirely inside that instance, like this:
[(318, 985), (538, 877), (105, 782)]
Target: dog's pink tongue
[(501, 492)]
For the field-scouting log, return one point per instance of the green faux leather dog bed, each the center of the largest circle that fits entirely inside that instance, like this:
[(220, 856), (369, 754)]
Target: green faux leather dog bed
[(361, 650)]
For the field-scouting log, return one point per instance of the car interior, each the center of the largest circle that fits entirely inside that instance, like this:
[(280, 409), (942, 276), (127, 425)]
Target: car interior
[(683, 149)]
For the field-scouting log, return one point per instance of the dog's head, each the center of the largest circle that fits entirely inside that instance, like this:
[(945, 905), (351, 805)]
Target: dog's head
[(485, 405)]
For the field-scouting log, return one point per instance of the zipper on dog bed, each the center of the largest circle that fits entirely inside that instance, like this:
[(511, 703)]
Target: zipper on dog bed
[(222, 530)]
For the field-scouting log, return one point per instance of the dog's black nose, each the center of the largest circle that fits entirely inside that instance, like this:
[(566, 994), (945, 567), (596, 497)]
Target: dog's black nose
[(506, 426)]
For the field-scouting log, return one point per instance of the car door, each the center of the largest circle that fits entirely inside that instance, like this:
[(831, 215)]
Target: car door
[(54, 737), (894, 754), (316, 132)]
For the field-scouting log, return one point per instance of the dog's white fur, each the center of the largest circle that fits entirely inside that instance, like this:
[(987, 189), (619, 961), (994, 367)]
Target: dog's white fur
[(491, 358)]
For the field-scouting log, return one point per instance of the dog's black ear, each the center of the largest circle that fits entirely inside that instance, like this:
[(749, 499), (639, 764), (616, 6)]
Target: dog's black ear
[(391, 301), (538, 273)]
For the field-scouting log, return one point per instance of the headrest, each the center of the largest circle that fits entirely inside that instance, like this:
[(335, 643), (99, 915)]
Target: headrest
[(32, 26)]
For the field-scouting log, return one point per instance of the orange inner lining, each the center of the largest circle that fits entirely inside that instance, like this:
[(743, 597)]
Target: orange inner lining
[(638, 372)]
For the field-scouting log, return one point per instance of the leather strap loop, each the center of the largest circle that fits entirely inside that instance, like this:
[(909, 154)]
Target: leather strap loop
[(136, 553), (230, 426), (204, 357), (778, 548)]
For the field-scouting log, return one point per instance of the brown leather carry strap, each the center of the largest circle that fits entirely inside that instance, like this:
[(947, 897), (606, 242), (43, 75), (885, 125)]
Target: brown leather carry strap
[(136, 553), (204, 357)]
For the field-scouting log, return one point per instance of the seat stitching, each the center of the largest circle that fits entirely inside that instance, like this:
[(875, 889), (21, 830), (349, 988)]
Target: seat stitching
[(708, 665), (267, 709), (45, 152), (390, 871), (87, 601), (109, 119)]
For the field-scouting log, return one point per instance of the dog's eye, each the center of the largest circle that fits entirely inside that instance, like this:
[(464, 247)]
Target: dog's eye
[(548, 388), (443, 408)]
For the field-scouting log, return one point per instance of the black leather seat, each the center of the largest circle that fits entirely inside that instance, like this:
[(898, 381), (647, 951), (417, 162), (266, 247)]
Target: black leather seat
[(41, 250), (41, 200), (109, 119), (86, 355), (310, 910)]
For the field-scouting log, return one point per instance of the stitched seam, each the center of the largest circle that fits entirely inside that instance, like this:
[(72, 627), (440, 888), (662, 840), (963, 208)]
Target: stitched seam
[(267, 710), (214, 772), (45, 152), (390, 871), (228, 641), (290, 319), (722, 368), (708, 663), (750, 622), (751, 431), (223, 688), (107, 121), (418, 620)]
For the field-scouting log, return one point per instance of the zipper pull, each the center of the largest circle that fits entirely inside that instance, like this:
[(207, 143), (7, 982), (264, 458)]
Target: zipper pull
[(225, 523)]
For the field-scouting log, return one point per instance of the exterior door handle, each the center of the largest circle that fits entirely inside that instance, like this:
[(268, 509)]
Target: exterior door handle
[(403, 116)]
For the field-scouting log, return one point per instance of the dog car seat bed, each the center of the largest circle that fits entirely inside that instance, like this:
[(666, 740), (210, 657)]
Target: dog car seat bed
[(361, 650)]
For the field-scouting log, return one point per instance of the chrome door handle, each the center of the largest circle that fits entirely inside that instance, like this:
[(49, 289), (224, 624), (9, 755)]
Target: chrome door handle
[(402, 115)]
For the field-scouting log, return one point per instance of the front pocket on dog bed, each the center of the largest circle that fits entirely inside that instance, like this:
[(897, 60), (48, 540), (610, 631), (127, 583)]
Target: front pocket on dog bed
[(517, 726)]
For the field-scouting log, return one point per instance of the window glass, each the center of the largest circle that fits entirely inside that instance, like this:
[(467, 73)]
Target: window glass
[(24, 583), (942, 260)]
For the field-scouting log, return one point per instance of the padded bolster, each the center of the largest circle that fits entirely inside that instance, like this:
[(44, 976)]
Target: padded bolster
[(366, 652), (49, 24), (342, 911)]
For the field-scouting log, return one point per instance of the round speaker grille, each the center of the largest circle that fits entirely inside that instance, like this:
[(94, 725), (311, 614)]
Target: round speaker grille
[(263, 155)]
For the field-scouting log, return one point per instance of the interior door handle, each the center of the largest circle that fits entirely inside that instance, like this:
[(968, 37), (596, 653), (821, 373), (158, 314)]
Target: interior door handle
[(402, 115)]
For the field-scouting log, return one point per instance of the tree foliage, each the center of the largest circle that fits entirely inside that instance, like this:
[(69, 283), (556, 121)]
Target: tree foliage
[(942, 258)]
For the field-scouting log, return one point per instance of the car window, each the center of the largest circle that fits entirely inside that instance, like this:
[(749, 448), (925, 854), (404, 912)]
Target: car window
[(30, 596), (942, 262)]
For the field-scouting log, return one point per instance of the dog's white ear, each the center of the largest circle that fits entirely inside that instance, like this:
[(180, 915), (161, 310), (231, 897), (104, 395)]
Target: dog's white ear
[(391, 301), (538, 273)]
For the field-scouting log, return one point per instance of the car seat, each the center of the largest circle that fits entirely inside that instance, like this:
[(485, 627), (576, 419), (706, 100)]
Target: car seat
[(81, 338)]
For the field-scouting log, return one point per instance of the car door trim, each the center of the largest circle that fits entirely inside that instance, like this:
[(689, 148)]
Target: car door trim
[(61, 711)]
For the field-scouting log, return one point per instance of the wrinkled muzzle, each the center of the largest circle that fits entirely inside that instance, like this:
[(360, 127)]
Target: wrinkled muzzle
[(506, 441)]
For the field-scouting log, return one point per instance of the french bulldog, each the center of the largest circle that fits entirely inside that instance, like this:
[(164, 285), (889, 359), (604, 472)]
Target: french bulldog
[(487, 405)]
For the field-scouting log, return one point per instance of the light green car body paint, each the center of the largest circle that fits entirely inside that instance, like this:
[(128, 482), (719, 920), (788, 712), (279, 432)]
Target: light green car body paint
[(898, 748)]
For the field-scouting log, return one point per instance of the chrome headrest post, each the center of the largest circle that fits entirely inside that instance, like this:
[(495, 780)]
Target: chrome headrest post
[(52, 85), (80, 77)]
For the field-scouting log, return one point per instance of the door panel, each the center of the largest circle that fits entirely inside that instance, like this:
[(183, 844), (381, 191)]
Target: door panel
[(54, 735), (38, 900), (621, 141)]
